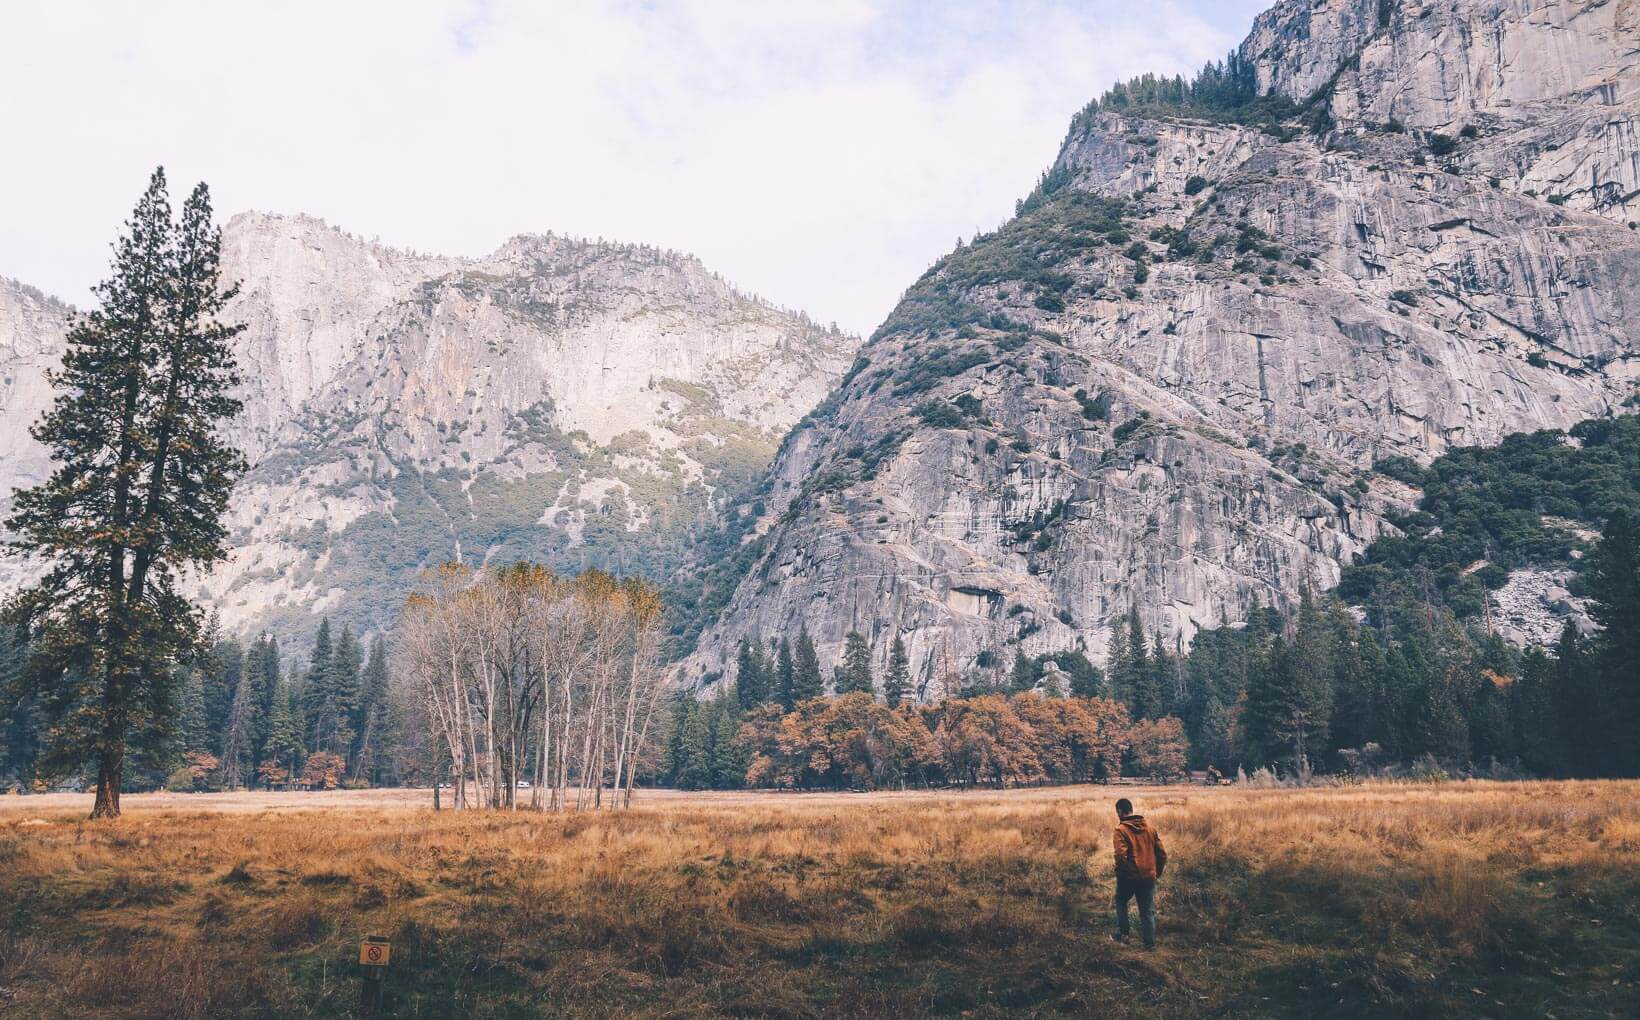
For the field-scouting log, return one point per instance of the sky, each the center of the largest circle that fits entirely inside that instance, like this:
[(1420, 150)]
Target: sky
[(821, 155)]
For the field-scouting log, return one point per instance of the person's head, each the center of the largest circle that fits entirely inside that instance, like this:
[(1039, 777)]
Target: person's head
[(1124, 807)]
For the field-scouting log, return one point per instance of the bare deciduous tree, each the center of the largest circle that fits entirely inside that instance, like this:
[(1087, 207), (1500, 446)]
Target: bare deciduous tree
[(516, 671)]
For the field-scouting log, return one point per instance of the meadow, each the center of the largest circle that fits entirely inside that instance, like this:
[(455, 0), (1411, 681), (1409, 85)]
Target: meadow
[(1471, 899)]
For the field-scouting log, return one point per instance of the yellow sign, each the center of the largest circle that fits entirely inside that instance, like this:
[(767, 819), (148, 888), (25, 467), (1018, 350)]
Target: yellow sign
[(375, 951)]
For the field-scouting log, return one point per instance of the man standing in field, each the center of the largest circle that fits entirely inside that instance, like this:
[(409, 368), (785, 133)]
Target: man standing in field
[(1140, 860)]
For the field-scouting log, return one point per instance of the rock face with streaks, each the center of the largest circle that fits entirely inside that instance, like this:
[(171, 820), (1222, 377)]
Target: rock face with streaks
[(578, 403), (1162, 386), (32, 327)]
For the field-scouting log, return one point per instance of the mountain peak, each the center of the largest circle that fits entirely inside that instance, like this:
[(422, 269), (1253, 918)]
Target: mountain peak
[(1379, 229)]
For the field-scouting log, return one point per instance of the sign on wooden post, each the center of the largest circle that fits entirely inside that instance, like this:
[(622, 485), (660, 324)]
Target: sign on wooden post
[(374, 953)]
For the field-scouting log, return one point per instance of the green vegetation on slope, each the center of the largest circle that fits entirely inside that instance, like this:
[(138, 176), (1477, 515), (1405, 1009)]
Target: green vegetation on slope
[(1505, 507), (1056, 224)]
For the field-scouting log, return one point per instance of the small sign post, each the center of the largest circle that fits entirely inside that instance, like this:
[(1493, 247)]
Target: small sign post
[(374, 953)]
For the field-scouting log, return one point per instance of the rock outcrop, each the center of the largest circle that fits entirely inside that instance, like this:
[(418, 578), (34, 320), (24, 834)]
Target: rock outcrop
[(1162, 386), (579, 403)]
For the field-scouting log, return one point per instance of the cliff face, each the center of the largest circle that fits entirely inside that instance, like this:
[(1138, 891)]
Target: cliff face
[(1162, 385), (585, 404), (32, 326)]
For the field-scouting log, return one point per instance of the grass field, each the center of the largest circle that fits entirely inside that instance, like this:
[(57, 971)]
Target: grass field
[(1467, 899)]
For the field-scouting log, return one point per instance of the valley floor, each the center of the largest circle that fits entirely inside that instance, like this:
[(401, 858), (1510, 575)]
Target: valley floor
[(1456, 899)]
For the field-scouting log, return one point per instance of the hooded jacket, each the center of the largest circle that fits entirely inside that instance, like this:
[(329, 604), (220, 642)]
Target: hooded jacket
[(1139, 853)]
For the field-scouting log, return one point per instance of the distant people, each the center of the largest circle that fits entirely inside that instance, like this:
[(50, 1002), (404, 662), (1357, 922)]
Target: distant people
[(1140, 860)]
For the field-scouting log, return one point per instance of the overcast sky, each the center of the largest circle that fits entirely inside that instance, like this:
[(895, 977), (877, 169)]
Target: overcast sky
[(821, 155)]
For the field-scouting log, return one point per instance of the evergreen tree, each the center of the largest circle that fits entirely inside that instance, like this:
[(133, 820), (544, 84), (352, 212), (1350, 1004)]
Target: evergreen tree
[(1402, 682), (284, 747), (192, 728), (1613, 579), (342, 695), (1087, 680), (316, 686), (1359, 710), (1437, 725), (1281, 715), (1577, 705), (222, 666), (752, 680), (1212, 744), (897, 681), (785, 676), (239, 743), (694, 770), (1533, 708), (1162, 682), (1312, 665), (1129, 670), (1023, 675), (807, 682), (140, 482), (675, 754), (370, 722), (856, 666), (727, 756), (22, 721), (263, 675)]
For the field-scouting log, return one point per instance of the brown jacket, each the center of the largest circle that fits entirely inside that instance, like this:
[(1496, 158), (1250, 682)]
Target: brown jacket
[(1139, 853)]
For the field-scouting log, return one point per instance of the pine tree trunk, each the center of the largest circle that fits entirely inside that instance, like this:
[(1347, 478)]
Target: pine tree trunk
[(109, 768)]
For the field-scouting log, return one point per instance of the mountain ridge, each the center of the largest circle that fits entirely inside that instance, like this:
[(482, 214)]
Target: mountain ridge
[(1162, 386), (580, 402)]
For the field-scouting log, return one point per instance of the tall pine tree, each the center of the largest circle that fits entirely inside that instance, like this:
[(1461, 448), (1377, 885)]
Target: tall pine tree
[(897, 681), (856, 666), (807, 682), (752, 685), (284, 752), (370, 716), (316, 685), (140, 482), (1613, 577), (785, 673)]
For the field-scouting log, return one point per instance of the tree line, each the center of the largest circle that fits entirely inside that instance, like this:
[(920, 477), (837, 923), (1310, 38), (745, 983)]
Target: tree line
[(855, 741), (511, 676), (241, 716), (1402, 683)]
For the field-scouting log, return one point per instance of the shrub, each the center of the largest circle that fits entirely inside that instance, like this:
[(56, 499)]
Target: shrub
[(1158, 749), (1049, 303), (1195, 185), (1129, 427), (1094, 408)]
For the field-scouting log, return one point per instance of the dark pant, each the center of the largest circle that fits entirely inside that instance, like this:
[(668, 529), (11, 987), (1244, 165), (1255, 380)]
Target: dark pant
[(1145, 893)]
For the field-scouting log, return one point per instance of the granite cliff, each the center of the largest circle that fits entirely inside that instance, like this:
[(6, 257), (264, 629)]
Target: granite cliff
[(1163, 384), (581, 403)]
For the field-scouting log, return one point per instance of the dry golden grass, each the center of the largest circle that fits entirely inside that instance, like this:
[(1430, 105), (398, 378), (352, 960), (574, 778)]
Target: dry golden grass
[(1463, 899)]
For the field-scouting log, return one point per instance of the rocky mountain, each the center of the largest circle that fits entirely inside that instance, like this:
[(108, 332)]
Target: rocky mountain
[(581, 403), (1381, 229)]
